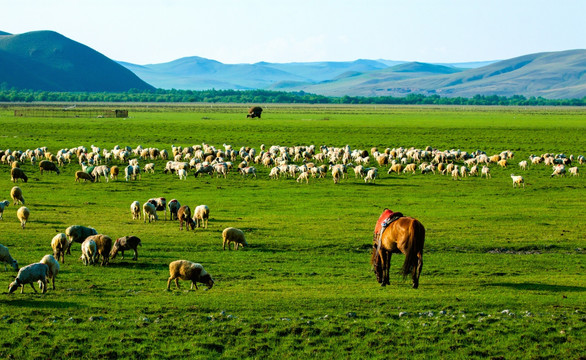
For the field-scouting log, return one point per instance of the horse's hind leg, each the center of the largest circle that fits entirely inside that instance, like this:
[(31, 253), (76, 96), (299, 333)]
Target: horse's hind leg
[(386, 267), (417, 270)]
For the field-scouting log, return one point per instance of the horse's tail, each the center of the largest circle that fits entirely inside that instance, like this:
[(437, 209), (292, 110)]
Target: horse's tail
[(414, 246)]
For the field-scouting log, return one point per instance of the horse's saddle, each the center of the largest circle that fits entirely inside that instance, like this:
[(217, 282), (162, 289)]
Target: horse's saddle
[(386, 218)]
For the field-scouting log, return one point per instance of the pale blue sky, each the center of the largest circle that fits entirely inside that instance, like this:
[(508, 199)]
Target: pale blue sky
[(241, 31)]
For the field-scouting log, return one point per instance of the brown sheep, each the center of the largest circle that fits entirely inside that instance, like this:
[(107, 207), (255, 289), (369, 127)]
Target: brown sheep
[(17, 173), (126, 243), (103, 246), (81, 175), (233, 235), (114, 172), (187, 270), (254, 112), (47, 165), (184, 215)]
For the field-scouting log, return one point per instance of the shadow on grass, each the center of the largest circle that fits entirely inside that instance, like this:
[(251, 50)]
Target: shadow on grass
[(539, 287), (46, 304)]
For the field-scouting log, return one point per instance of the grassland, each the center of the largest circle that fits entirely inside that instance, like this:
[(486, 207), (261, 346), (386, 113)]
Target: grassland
[(504, 269)]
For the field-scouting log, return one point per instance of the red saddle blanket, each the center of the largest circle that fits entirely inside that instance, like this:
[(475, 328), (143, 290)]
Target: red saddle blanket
[(387, 217)]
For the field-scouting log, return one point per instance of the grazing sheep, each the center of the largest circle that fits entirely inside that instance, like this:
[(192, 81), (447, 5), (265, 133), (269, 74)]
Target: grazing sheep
[(17, 173), (150, 167), (303, 176), (29, 275), (233, 235), (3, 204), (173, 206), (371, 175), (82, 175), (114, 172), (574, 171), (455, 173), (182, 173), (502, 163), (336, 174), (559, 170), (254, 112), (125, 243), (184, 215), (485, 172), (59, 244), (187, 270), (201, 212), (22, 214), (160, 204), (149, 212), (78, 234), (103, 247), (16, 195), (47, 165), (517, 181), (53, 266), (523, 165), (408, 168), (135, 210), (397, 168), (101, 170), (7, 259), (251, 170), (88, 251)]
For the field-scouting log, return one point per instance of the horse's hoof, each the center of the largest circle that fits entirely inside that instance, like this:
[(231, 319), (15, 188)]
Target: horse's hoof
[(383, 284)]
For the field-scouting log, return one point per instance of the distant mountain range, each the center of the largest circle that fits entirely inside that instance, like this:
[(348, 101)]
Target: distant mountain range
[(45, 60)]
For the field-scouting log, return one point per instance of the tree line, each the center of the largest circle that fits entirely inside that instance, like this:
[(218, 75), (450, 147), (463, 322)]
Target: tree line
[(268, 96)]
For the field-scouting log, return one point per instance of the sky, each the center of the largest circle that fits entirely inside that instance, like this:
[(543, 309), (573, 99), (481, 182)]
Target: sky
[(249, 31)]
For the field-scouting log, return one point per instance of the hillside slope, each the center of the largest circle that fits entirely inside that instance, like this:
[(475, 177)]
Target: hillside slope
[(46, 60)]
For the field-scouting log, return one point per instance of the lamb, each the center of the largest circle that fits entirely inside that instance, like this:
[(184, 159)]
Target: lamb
[(103, 247), (46, 165), (149, 212), (114, 172), (201, 212), (59, 244), (53, 266), (22, 214), (135, 210), (173, 206), (574, 171), (184, 215), (82, 175), (17, 173), (523, 165), (125, 243), (16, 195), (7, 259), (29, 275), (517, 181), (78, 234), (3, 204), (187, 270), (233, 235), (88, 251), (150, 167)]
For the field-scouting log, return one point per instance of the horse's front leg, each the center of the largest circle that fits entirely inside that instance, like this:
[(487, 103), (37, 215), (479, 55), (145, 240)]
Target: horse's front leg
[(387, 267)]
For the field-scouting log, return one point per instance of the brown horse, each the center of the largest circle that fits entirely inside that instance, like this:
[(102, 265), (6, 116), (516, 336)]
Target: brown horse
[(405, 235)]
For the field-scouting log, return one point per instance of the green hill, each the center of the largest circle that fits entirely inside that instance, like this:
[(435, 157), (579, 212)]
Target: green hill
[(46, 60)]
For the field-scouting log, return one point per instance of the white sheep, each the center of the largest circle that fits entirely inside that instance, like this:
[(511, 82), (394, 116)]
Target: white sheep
[(16, 195), (149, 211), (6, 258), (523, 165), (150, 167), (517, 181), (89, 251), (201, 212), (485, 172), (29, 275), (233, 235), (182, 173), (574, 171), (60, 244), (188, 270), (336, 174), (559, 170), (371, 175), (135, 210), (53, 265), (23, 214), (303, 176), (3, 204)]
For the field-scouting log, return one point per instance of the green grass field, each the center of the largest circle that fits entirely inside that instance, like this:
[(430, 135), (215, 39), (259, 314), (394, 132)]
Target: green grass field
[(504, 269)]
